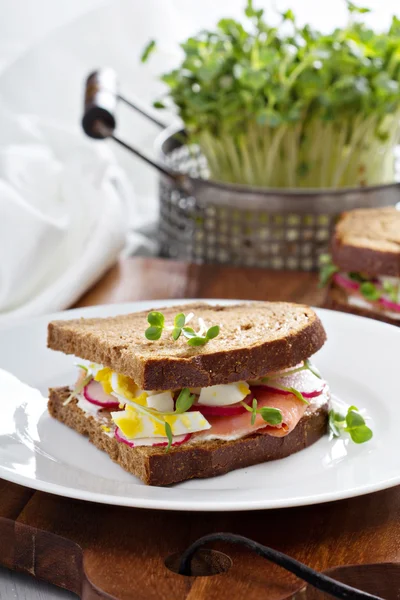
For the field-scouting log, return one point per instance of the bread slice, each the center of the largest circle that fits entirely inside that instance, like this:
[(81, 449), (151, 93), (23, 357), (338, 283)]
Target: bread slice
[(255, 339), (368, 241), (337, 299), (154, 466)]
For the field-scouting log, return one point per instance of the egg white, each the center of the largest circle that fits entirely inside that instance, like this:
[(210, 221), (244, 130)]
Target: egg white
[(224, 395)]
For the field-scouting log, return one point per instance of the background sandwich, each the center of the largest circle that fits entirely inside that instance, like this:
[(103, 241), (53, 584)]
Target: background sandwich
[(196, 394), (363, 271)]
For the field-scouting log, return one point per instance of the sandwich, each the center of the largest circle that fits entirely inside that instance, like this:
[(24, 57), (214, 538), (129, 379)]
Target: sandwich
[(194, 391), (362, 273)]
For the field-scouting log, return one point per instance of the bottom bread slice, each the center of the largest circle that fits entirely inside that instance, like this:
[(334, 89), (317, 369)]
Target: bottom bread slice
[(337, 299), (155, 466)]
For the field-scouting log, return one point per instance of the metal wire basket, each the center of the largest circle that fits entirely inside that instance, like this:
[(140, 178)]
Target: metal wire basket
[(206, 221), (278, 229)]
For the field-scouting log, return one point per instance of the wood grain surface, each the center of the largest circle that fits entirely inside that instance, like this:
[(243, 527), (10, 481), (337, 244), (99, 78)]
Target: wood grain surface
[(100, 551)]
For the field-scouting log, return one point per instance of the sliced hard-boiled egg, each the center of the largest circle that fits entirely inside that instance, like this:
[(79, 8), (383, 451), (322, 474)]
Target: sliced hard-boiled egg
[(137, 424), (224, 395), (163, 402)]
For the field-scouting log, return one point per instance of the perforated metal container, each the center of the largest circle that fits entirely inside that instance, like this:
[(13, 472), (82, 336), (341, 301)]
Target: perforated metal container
[(205, 221)]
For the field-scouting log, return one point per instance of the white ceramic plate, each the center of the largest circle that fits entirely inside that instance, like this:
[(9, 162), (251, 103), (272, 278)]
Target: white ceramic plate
[(360, 361)]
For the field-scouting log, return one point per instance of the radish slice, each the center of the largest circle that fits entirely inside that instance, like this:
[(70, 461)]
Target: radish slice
[(223, 411), (389, 304), (345, 282), (177, 440), (95, 394), (284, 392), (304, 381)]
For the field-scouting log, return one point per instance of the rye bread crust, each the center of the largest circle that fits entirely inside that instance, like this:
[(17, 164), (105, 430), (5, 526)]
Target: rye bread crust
[(336, 299), (193, 460), (255, 339), (368, 241)]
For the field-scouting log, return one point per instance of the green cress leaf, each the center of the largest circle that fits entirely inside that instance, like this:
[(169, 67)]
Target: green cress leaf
[(156, 319), (361, 434), (176, 332), (336, 421), (212, 332), (148, 50), (153, 333), (158, 104), (179, 320), (353, 418), (298, 395), (391, 290), (293, 391), (327, 269), (273, 416), (254, 411), (197, 341), (188, 332), (325, 274), (288, 15), (370, 291), (184, 401), (168, 433), (353, 8)]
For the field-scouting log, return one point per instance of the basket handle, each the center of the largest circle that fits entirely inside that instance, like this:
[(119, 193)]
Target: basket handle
[(99, 120)]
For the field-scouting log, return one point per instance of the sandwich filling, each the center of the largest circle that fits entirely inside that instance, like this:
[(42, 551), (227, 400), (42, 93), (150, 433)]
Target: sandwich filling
[(272, 405), (379, 294)]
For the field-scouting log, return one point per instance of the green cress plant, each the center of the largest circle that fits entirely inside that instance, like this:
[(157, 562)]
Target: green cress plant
[(156, 321), (289, 106), (352, 423)]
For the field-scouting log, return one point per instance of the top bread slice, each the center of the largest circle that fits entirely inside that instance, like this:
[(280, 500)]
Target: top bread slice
[(255, 339), (368, 241)]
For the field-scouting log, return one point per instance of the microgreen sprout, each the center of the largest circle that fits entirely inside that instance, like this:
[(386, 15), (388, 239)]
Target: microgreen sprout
[(370, 291), (272, 416), (148, 50), (327, 269), (184, 401), (156, 321), (352, 423), (180, 327), (79, 386), (168, 433), (392, 290)]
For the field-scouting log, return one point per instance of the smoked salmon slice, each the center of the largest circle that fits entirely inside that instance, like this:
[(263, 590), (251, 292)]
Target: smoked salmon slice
[(238, 426)]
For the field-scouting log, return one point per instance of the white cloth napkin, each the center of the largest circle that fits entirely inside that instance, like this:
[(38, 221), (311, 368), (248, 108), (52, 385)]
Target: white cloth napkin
[(63, 214)]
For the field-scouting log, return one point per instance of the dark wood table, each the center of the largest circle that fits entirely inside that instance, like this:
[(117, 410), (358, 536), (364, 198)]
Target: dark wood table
[(100, 551)]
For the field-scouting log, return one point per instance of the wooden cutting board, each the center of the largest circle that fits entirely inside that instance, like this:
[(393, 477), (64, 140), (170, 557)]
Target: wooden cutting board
[(100, 551)]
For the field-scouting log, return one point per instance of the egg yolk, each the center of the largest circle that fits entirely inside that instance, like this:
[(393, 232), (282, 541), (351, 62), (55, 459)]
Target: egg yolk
[(159, 428), (142, 400), (104, 377), (127, 387), (130, 426), (243, 388)]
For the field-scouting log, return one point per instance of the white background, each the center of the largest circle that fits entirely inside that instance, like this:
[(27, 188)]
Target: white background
[(47, 47)]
